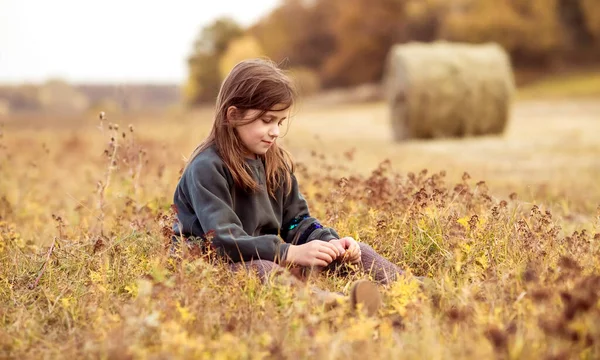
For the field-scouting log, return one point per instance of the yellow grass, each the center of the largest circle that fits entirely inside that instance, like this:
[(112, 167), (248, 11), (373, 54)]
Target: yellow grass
[(579, 85), (84, 270)]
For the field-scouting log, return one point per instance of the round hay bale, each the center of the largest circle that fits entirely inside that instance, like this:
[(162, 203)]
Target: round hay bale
[(448, 89)]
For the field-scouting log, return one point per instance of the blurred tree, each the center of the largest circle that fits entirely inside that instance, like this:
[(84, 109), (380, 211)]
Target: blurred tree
[(345, 42), (591, 13), (571, 14), (307, 81), (364, 34), (204, 78), (239, 49), (424, 19), (298, 32), (528, 29)]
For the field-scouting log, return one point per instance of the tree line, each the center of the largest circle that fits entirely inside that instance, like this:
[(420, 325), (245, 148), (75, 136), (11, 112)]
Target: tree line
[(339, 43)]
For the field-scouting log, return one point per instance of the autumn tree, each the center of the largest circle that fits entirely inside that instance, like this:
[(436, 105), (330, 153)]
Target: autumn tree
[(239, 49), (591, 14), (343, 41), (529, 30), (336, 43), (204, 78), (364, 33), (298, 33)]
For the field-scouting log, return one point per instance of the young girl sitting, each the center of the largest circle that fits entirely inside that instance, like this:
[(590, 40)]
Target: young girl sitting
[(238, 193)]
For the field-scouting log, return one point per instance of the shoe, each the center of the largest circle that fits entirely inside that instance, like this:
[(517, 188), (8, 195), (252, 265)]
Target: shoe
[(366, 293)]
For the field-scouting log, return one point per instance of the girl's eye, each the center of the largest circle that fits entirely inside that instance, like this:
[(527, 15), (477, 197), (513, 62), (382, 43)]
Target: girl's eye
[(268, 121)]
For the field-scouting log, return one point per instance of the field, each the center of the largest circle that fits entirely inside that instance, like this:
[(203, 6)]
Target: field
[(506, 228)]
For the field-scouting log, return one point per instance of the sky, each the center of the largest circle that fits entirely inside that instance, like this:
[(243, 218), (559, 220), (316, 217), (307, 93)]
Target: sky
[(108, 41)]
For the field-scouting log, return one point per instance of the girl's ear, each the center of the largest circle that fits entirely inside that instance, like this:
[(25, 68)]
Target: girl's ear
[(232, 113)]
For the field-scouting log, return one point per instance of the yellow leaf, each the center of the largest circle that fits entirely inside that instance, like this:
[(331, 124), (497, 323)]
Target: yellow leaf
[(132, 290), (483, 261), (185, 313), (464, 221), (66, 302)]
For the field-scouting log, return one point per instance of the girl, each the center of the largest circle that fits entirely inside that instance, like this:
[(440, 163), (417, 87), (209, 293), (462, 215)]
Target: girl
[(238, 192)]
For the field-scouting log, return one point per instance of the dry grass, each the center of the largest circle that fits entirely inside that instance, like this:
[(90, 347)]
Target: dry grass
[(585, 84), (513, 261)]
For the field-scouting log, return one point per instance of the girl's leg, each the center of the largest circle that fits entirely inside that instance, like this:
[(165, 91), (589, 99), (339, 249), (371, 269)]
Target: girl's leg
[(382, 270), (362, 292), (264, 268)]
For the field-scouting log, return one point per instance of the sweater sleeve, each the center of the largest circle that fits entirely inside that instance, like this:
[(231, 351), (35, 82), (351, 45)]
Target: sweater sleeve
[(298, 226), (212, 202)]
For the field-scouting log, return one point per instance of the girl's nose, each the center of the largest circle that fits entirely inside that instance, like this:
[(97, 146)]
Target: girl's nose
[(274, 131)]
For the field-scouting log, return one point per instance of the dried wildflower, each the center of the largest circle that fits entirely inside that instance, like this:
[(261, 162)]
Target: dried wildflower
[(473, 222), (98, 244), (568, 263), (530, 274), (495, 212), (458, 314), (540, 295), (535, 210), (497, 337)]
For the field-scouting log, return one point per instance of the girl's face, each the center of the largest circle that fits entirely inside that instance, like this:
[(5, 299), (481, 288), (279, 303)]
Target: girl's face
[(259, 135)]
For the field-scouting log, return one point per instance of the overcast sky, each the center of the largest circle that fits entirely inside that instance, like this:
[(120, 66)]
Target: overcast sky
[(108, 40)]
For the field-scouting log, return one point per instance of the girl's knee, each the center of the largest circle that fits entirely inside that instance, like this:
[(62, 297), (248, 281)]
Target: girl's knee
[(365, 248), (265, 266), (262, 266)]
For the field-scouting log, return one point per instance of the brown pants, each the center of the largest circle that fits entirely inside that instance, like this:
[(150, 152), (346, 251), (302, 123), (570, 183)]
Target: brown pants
[(381, 269)]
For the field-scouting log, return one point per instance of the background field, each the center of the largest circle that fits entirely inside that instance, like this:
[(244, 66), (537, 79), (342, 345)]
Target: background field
[(511, 247)]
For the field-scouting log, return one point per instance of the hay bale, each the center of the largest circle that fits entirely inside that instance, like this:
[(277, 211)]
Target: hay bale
[(448, 89)]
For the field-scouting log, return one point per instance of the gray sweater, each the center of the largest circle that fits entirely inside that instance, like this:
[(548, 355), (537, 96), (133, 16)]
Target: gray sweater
[(239, 224)]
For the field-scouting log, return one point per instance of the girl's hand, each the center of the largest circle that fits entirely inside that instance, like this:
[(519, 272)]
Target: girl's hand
[(353, 253), (314, 253), (338, 245)]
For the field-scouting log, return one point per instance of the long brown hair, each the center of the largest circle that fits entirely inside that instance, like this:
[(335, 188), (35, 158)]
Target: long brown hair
[(257, 84)]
